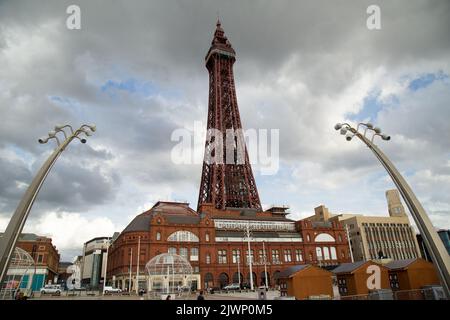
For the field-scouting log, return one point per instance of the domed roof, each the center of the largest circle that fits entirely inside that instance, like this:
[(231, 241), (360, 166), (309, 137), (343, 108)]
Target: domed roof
[(21, 259), (167, 263)]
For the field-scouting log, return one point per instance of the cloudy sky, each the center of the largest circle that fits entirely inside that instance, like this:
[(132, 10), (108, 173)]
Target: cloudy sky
[(136, 70)]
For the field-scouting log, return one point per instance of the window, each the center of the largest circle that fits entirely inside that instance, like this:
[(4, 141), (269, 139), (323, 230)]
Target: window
[(326, 253), (196, 269), (222, 255), (308, 238), (319, 253), (158, 236), (184, 252), (298, 255), (342, 285), (333, 253), (172, 250), (310, 256), (287, 255), (324, 237), (236, 255), (275, 256), (343, 254), (340, 238), (208, 258), (41, 248), (40, 258), (207, 237), (183, 236), (249, 255), (194, 254), (262, 256)]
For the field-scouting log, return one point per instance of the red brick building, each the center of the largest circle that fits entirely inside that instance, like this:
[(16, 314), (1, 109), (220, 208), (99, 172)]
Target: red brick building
[(214, 240), (45, 256)]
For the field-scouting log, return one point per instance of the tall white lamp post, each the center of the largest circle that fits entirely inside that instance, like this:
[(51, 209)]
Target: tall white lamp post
[(15, 226), (106, 265), (430, 237)]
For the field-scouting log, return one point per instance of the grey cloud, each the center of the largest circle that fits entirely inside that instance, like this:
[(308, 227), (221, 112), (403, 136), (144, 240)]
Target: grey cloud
[(295, 60)]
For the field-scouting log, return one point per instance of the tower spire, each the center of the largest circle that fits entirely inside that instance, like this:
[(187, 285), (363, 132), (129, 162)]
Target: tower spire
[(225, 183)]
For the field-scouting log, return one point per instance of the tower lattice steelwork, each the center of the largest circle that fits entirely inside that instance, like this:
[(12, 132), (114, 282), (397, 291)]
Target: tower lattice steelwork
[(227, 181)]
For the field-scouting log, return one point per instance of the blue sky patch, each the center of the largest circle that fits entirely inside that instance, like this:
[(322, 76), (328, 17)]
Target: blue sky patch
[(134, 86), (371, 106), (425, 80)]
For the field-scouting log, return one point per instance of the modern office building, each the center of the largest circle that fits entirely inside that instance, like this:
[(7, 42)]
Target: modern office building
[(93, 262), (375, 237), (444, 234)]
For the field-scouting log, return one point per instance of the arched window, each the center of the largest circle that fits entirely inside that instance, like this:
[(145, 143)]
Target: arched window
[(254, 278), (276, 276), (158, 236), (223, 279), (183, 236), (238, 278), (324, 237), (207, 237), (308, 238), (209, 280)]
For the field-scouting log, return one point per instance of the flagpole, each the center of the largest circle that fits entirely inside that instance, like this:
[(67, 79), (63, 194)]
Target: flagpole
[(265, 265), (131, 266), (137, 266)]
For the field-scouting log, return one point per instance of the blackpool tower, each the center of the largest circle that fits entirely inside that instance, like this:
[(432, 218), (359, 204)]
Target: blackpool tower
[(227, 181)]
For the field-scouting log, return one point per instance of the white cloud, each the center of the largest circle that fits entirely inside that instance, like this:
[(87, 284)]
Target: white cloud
[(70, 230)]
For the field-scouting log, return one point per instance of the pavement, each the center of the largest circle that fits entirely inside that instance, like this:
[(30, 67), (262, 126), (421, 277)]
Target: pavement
[(271, 295)]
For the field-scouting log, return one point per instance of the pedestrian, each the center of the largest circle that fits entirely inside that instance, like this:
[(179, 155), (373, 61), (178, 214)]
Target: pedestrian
[(168, 297), (200, 296), (17, 295)]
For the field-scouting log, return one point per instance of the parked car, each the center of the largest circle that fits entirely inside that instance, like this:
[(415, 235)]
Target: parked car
[(109, 289), (233, 286), (51, 289)]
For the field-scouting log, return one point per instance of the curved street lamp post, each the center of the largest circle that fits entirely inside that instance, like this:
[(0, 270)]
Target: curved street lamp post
[(430, 237), (15, 226)]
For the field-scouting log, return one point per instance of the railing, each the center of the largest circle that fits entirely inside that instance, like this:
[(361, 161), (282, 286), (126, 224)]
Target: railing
[(409, 295), (355, 297), (416, 294)]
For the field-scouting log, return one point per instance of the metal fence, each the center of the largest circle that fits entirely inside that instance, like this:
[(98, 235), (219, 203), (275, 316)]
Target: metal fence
[(431, 293)]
